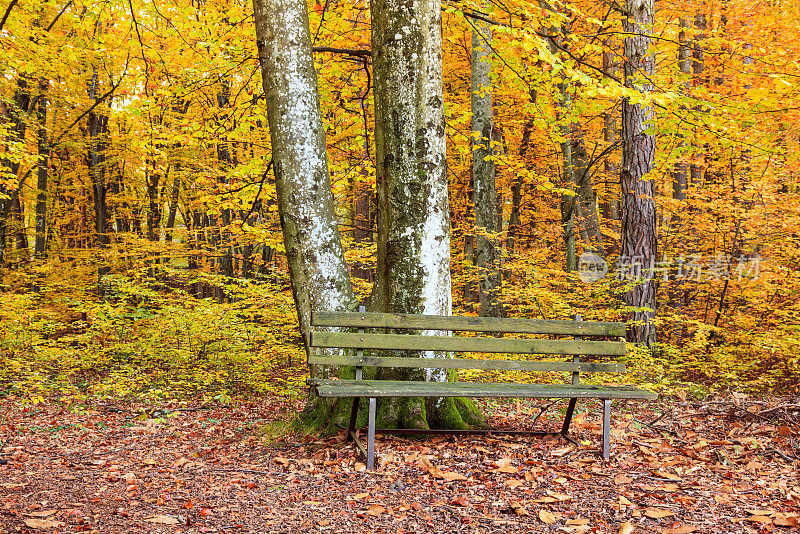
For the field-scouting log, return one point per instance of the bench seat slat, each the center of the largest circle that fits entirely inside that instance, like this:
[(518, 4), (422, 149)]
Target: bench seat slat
[(469, 363), (468, 324), (466, 344), (392, 388)]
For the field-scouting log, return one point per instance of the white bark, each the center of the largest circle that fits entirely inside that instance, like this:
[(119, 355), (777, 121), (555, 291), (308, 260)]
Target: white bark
[(320, 278), (413, 216)]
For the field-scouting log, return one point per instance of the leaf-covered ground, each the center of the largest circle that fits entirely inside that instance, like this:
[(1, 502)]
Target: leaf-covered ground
[(728, 466)]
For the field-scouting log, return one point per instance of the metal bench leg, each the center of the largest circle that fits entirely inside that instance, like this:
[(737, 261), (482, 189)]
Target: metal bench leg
[(568, 416), (606, 428), (371, 436)]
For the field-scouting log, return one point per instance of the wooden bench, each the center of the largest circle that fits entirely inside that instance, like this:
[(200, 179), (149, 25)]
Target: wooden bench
[(384, 334)]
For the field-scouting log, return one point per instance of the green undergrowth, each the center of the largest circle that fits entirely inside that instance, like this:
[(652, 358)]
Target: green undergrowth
[(148, 338)]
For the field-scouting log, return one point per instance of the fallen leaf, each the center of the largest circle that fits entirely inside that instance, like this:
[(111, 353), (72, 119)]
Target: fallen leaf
[(658, 513), (683, 529), (559, 497), (520, 510), (451, 476), (756, 511), (759, 519), (150, 462), (359, 496), (513, 483), (546, 517), (625, 501), (504, 466), (180, 462), (163, 520), (360, 467), (43, 513), (42, 523), (558, 453), (783, 520), (622, 479), (667, 475), (375, 510), (460, 501), (625, 528), (578, 521), (530, 477)]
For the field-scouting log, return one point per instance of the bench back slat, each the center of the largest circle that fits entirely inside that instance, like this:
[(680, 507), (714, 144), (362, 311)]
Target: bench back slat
[(466, 344), (467, 324), (469, 363)]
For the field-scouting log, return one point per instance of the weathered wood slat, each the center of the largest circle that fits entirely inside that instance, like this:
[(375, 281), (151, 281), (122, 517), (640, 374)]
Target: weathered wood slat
[(470, 324), (469, 363), (391, 388), (466, 344)]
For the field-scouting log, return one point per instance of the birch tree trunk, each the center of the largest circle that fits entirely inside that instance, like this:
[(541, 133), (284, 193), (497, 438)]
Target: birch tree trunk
[(638, 156), (319, 274), (413, 216), (487, 254)]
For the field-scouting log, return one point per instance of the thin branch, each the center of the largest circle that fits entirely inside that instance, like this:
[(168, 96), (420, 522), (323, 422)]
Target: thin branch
[(477, 15), (258, 193), (7, 13), (347, 51), (63, 9)]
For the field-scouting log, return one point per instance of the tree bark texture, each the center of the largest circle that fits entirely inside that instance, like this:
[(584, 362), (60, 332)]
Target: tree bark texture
[(42, 174), (413, 216), (9, 186), (680, 171), (610, 205), (638, 156), (487, 250), (319, 273), (98, 128)]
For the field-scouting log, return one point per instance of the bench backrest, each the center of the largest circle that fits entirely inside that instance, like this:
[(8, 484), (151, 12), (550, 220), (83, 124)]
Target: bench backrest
[(420, 342)]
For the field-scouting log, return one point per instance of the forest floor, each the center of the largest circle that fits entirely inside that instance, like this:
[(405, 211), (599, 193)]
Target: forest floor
[(727, 466)]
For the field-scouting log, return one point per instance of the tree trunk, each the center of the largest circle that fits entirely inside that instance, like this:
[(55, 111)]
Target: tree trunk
[(152, 180), (413, 216), (698, 66), (610, 205), (680, 170), (515, 219), (98, 128), (225, 246), (13, 113), (319, 274), (41, 182), (173, 204), (487, 250), (638, 249)]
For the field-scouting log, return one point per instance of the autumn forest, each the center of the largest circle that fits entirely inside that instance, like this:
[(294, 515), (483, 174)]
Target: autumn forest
[(190, 189), (142, 250)]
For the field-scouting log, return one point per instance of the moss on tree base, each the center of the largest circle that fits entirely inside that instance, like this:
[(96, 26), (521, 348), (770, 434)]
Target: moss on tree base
[(330, 416)]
